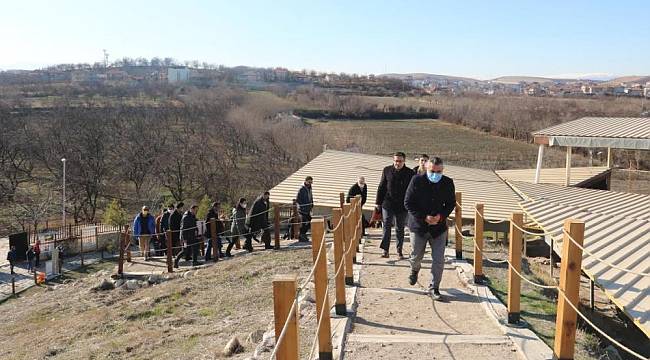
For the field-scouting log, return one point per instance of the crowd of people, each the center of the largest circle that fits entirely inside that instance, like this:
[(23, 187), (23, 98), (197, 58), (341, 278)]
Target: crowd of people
[(187, 237)]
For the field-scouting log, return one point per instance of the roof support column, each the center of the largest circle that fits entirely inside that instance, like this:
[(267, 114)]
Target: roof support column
[(538, 169), (609, 157), (567, 180)]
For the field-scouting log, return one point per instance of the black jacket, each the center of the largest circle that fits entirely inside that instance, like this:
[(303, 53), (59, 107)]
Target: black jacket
[(392, 188), (188, 227), (259, 215), (356, 190), (208, 218), (305, 200), (426, 198), (164, 221), (175, 220)]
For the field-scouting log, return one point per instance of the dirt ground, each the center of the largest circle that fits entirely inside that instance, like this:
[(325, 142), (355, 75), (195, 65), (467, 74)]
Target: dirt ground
[(190, 316)]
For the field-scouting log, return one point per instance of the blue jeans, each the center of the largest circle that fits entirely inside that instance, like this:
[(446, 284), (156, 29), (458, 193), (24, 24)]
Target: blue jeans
[(400, 222), (208, 249)]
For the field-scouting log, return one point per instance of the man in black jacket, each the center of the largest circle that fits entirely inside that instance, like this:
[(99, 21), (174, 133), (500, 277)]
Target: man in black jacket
[(188, 235), (258, 220), (175, 227), (213, 215), (359, 188), (305, 201), (430, 199), (390, 199), (421, 168)]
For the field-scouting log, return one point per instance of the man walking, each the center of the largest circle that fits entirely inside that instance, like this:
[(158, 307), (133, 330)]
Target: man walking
[(188, 235), (11, 257), (430, 199), (258, 220), (421, 168), (390, 199), (143, 227), (359, 188), (175, 226), (305, 201), (213, 215)]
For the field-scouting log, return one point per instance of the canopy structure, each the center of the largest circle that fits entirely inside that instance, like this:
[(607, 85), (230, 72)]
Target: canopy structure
[(593, 132), (595, 177)]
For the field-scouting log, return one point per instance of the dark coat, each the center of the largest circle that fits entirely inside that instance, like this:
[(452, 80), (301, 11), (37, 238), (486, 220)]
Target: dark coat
[(188, 227), (356, 190), (164, 221), (392, 188), (175, 220), (259, 215), (305, 200), (426, 198), (212, 214), (11, 256), (30, 254), (238, 225)]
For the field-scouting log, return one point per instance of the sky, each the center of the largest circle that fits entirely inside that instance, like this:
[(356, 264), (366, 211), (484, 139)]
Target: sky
[(480, 39)]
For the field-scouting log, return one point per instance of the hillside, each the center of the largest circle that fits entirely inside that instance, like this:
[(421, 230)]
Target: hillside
[(627, 80), (528, 79), (425, 76)]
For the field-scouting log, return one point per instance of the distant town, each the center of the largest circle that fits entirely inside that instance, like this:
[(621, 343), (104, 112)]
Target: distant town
[(133, 72)]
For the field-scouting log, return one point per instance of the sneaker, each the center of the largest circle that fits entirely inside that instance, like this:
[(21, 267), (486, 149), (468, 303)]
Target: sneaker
[(176, 264), (413, 278), (228, 255), (385, 254), (435, 293)]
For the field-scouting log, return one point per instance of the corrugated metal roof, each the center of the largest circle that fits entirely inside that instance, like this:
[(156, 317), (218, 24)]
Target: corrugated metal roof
[(555, 176), (608, 127), (636, 206), (617, 228), (621, 240), (336, 171)]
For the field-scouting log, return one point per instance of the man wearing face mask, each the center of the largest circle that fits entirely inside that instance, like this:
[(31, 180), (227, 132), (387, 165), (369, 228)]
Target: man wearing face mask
[(390, 200), (143, 227), (359, 188), (430, 199), (305, 201)]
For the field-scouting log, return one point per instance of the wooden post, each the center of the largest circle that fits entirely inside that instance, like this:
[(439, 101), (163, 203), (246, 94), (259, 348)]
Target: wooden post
[(284, 293), (295, 227), (342, 199), (320, 289), (566, 320), (13, 286), (347, 241), (567, 180), (339, 249), (213, 239), (478, 248), (81, 249), (120, 262), (170, 251), (514, 257), (358, 222), (538, 169), (353, 233), (550, 258), (609, 157), (96, 239), (276, 225), (35, 277), (459, 225), (592, 300)]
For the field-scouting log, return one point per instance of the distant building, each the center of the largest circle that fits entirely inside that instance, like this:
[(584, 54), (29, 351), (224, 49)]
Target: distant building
[(178, 75), (634, 92), (646, 91)]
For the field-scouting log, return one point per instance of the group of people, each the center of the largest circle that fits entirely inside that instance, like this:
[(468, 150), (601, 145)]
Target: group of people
[(421, 198), (33, 256), (187, 237)]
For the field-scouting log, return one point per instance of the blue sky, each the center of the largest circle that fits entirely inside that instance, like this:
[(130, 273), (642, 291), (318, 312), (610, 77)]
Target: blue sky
[(482, 39)]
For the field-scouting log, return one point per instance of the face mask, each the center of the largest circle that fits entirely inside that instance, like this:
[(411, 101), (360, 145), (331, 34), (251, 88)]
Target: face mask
[(243, 206), (434, 177)]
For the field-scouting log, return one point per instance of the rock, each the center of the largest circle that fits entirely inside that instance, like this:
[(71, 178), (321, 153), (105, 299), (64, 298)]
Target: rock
[(105, 285), (186, 275), (267, 344), (612, 353), (232, 347), (256, 336), (119, 282), (132, 284), (154, 279)]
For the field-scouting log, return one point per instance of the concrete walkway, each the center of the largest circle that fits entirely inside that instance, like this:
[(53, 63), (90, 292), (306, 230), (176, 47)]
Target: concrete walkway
[(397, 321)]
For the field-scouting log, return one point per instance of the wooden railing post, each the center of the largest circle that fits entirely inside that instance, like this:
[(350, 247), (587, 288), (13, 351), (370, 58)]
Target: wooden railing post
[(97, 239), (276, 225), (458, 218), (122, 243), (81, 249), (341, 199), (357, 221), (339, 248), (320, 289), (213, 239), (295, 220), (347, 241), (170, 251), (13, 286), (566, 320), (478, 247), (284, 293), (514, 257)]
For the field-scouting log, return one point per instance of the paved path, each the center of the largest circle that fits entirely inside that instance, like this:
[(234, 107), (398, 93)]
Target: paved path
[(397, 321)]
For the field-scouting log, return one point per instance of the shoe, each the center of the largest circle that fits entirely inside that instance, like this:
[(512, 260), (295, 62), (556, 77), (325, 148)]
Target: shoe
[(435, 293), (196, 263), (413, 278), (176, 264), (400, 255), (228, 255), (385, 254)]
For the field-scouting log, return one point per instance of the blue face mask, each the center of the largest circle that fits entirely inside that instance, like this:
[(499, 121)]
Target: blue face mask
[(434, 177)]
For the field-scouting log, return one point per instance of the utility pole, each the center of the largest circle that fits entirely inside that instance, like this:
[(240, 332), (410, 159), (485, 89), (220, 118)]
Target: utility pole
[(63, 200), (105, 58)]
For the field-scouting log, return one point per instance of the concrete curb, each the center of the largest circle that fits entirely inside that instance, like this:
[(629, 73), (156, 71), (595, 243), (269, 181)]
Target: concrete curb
[(529, 345)]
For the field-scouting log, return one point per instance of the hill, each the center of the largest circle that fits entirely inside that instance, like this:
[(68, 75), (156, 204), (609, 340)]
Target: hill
[(627, 80), (527, 79), (425, 76)]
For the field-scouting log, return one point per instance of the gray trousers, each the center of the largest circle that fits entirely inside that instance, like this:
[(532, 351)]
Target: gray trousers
[(418, 247), (400, 222)]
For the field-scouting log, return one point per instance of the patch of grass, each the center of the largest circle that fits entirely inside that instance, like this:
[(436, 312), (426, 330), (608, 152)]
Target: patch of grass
[(207, 312)]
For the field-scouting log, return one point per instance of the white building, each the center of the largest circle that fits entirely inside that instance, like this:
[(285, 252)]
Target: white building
[(178, 75)]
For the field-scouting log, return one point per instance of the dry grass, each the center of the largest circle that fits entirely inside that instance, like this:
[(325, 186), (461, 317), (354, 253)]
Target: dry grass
[(191, 317)]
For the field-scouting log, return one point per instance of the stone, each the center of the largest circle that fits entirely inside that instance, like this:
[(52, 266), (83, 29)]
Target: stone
[(105, 285), (154, 279), (119, 282), (186, 275), (267, 344), (256, 336), (232, 347), (132, 284)]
